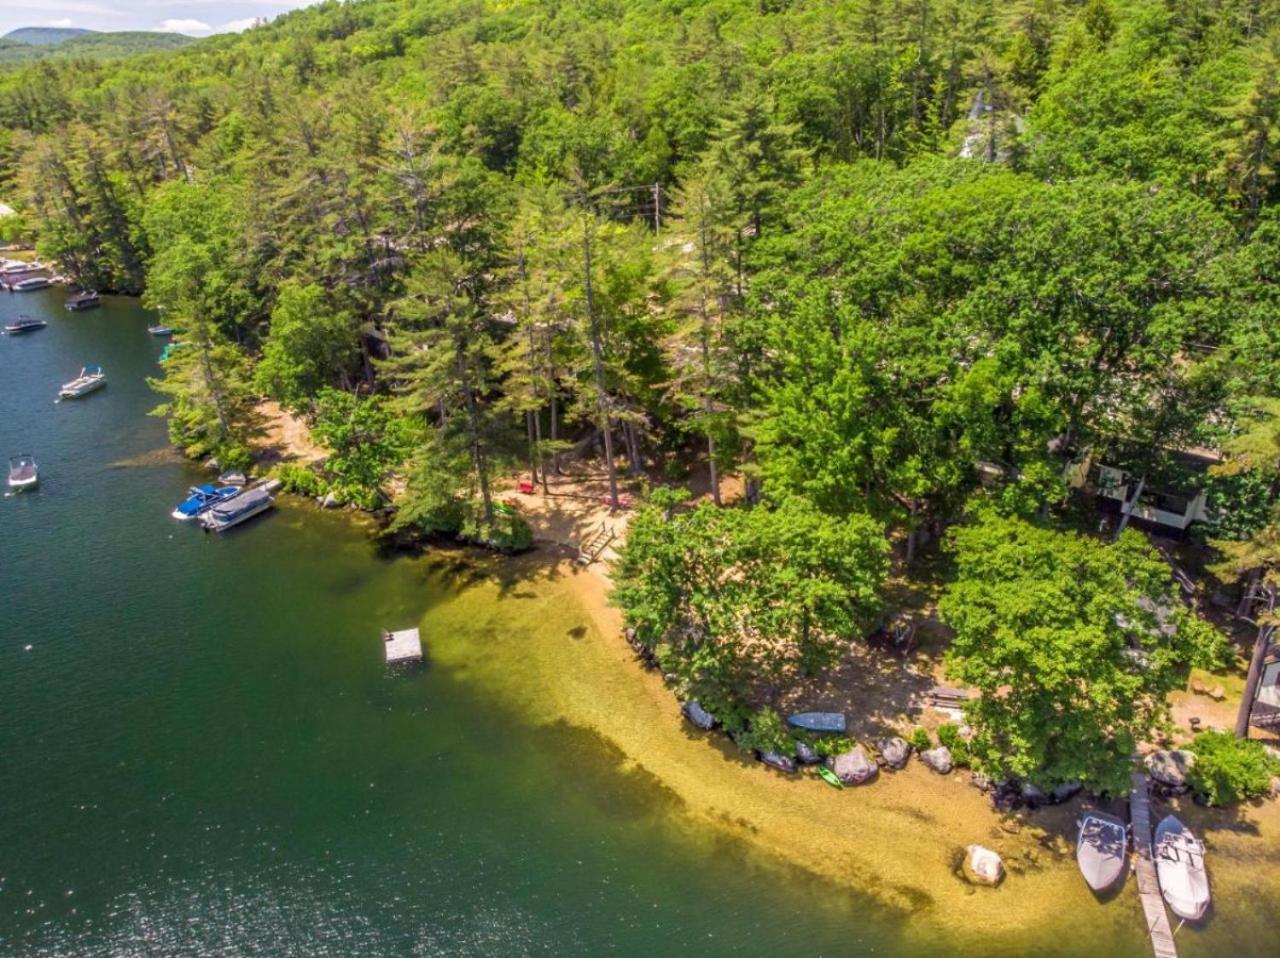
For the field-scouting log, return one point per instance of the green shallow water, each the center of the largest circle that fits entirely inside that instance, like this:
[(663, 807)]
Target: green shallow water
[(202, 754)]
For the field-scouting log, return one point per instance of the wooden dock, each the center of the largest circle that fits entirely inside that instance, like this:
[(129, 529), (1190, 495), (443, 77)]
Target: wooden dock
[(402, 646), (1145, 868)]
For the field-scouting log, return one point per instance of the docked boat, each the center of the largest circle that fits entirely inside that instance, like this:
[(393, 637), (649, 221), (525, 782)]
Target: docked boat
[(83, 300), (819, 722), (31, 284), (203, 498), (233, 477), (23, 473), (1102, 843), (24, 324), (16, 267), (238, 509), (90, 378), (1179, 856), (160, 330)]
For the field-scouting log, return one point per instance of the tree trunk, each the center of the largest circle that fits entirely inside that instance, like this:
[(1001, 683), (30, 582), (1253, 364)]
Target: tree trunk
[(478, 458), (533, 445), (597, 361)]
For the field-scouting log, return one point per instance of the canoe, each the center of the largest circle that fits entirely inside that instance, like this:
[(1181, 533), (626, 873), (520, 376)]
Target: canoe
[(1101, 850), (830, 777), (819, 722), (1184, 882)]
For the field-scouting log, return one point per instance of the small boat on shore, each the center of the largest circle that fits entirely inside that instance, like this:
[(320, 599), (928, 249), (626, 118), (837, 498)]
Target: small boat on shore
[(31, 284), (830, 777), (24, 324), (23, 473), (240, 508), (90, 378), (85, 299), (1179, 856), (819, 722), (1102, 843), (200, 499), (233, 477), (160, 330)]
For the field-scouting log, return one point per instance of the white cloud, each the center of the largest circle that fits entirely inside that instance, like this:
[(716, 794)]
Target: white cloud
[(60, 22), (237, 26), (63, 6), (184, 26)]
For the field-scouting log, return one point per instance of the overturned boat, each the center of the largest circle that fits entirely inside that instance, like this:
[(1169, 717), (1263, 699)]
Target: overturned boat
[(1102, 843), (1179, 856), (834, 722)]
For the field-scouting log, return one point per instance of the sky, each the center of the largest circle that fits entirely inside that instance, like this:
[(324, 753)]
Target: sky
[(197, 18)]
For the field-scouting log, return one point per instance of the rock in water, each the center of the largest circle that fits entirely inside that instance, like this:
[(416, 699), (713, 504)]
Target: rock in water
[(939, 759), (699, 716), (1033, 795), (1169, 767), (982, 866), (783, 763), (807, 754), (330, 501), (854, 767), (895, 751)]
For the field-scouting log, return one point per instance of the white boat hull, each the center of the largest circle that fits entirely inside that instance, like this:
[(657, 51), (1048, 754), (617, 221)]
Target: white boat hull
[(18, 485), (75, 390)]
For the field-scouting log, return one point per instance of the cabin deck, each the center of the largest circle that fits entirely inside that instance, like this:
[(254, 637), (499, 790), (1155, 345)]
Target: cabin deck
[(402, 646), (1145, 868)]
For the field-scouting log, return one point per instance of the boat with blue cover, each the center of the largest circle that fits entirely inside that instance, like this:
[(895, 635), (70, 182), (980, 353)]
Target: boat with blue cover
[(202, 498), (819, 722)]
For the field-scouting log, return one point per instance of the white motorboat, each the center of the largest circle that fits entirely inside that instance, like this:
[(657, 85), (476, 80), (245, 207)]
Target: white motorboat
[(24, 324), (1184, 882), (23, 473), (31, 284), (1102, 843), (90, 378)]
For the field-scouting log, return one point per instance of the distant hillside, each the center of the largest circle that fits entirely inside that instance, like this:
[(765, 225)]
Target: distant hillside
[(42, 36), (84, 43)]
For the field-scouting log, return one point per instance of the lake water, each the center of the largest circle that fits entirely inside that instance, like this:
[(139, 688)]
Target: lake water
[(201, 752)]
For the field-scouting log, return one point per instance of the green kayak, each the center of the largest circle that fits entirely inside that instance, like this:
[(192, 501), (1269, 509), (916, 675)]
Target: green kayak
[(830, 777)]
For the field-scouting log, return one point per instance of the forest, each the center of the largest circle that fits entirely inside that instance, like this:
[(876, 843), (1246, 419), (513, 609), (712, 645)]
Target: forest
[(895, 263)]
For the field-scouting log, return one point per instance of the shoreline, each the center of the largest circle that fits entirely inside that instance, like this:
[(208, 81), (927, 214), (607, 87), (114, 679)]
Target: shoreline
[(898, 839)]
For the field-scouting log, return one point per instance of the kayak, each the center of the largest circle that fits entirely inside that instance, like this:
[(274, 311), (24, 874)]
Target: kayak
[(830, 777)]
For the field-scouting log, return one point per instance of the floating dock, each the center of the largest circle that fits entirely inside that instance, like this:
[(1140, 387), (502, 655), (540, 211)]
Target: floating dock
[(1148, 884), (402, 646)]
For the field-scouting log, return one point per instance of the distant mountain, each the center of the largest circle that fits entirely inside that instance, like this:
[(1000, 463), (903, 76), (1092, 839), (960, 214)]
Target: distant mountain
[(43, 36), (20, 47)]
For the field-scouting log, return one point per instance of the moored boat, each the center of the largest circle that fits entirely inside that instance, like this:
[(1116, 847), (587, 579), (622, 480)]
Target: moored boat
[(233, 477), (238, 509), (819, 722), (1101, 850), (31, 284), (23, 473), (160, 330), (24, 324), (202, 498), (85, 299), (1179, 857), (90, 378), (13, 268)]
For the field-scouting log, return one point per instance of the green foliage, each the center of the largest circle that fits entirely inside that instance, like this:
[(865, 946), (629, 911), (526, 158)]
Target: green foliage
[(829, 745), (766, 733), (1229, 769), (920, 739), (367, 440), (308, 346), (748, 597), (299, 480), (1074, 645)]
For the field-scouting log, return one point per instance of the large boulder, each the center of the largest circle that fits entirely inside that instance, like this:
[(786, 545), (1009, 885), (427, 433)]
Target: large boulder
[(939, 759), (982, 866), (895, 751), (807, 754), (854, 767), (699, 716), (1033, 795), (1169, 767), (783, 763)]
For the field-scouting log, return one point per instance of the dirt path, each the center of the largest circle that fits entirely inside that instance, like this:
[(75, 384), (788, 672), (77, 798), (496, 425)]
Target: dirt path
[(283, 437)]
